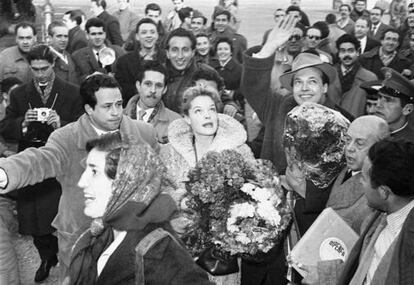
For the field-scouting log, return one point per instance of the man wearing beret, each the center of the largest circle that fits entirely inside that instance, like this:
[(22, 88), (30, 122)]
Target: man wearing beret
[(395, 103)]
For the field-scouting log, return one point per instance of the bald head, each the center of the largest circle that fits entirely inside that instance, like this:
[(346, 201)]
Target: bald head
[(362, 134)]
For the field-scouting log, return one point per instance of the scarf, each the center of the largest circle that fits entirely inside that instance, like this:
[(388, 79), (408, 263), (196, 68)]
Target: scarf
[(135, 202), (45, 94), (347, 80), (386, 58)]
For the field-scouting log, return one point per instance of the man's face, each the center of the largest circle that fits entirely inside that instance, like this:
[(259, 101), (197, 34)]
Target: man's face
[(296, 15), (308, 86), (359, 5), (95, 9), (221, 23), (410, 20), (107, 114), (122, 4), (375, 16), (151, 88), (25, 39), (390, 42), (59, 39), (147, 35), (154, 15), (180, 52), (197, 25), (344, 12), (361, 28), (313, 38), (178, 4), (203, 45), (373, 196), (97, 37), (295, 43), (68, 22), (390, 109), (371, 106), (347, 54), (360, 137), (279, 15), (42, 70)]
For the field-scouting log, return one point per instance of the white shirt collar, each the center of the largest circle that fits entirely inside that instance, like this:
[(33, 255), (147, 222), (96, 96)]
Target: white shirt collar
[(148, 113), (397, 130)]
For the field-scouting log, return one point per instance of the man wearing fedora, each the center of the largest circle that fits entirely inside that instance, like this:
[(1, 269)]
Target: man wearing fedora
[(308, 81), (395, 103)]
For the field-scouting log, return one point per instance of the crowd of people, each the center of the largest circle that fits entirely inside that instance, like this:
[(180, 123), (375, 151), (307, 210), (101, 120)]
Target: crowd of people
[(101, 125)]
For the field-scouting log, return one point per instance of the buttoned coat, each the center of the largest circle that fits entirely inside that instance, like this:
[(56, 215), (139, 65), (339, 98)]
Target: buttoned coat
[(14, 64), (379, 32), (77, 40)]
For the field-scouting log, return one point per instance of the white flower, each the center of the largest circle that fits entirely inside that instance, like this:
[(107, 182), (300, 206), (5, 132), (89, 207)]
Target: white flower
[(239, 210), (267, 211), (248, 188), (242, 237)]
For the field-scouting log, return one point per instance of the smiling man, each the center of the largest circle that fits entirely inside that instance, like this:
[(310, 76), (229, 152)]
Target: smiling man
[(345, 90), (130, 64), (147, 105), (63, 152)]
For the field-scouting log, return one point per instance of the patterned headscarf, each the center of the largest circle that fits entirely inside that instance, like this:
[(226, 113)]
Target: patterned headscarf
[(139, 180)]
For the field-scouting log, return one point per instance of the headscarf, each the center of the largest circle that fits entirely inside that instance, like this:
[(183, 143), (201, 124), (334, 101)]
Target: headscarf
[(139, 180)]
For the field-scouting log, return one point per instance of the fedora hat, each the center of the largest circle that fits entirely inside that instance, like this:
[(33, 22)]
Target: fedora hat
[(305, 60)]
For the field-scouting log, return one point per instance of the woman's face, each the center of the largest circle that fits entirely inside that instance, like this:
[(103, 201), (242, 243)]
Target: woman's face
[(223, 51), (96, 185), (202, 116), (203, 45)]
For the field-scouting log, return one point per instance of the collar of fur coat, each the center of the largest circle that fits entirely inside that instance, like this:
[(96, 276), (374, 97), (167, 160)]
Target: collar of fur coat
[(230, 135)]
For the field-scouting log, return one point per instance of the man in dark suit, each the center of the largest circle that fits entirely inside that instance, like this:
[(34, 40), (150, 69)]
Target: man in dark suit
[(87, 59), (64, 66), (361, 33), (77, 36), (111, 23), (377, 26), (59, 104), (130, 65)]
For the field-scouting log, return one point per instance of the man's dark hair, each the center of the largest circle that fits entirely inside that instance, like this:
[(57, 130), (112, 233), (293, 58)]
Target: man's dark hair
[(345, 5), (40, 52), (8, 83), (356, 1), (223, 12), (323, 27), (378, 8), (153, 7), (185, 12), (93, 83), (392, 165), (224, 40), (145, 21), (101, 3), (392, 30), (347, 38), (111, 144), (209, 74), (53, 25), (94, 22), (182, 33), (152, 65), (75, 15), (292, 9), (330, 18), (25, 25)]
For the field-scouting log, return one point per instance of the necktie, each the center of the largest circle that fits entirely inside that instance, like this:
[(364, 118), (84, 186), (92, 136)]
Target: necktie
[(373, 29), (97, 57), (141, 114), (347, 176)]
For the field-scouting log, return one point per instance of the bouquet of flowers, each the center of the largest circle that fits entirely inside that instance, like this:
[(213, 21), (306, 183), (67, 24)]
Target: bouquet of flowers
[(315, 138), (239, 206)]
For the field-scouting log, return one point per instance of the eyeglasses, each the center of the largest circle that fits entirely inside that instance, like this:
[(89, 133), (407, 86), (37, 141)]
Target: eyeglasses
[(295, 37), (313, 37)]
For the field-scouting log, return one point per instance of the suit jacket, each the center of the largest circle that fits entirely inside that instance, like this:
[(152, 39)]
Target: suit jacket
[(354, 99), (379, 32), (86, 62), (396, 267), (77, 40), (112, 27), (371, 43), (371, 61), (66, 71)]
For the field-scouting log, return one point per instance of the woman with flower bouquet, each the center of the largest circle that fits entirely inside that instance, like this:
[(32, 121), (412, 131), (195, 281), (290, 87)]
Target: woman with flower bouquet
[(201, 130)]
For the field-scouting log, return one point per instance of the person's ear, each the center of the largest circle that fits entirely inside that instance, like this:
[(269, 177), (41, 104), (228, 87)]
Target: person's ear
[(325, 87), (138, 85), (384, 192), (408, 109), (88, 109)]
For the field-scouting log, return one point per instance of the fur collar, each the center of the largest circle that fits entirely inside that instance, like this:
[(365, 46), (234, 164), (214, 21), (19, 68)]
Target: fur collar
[(230, 135)]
